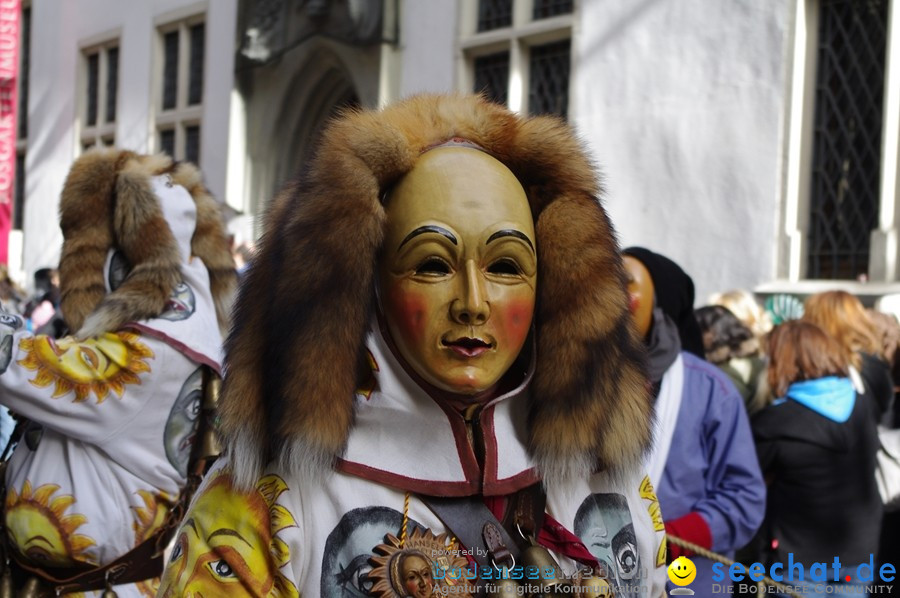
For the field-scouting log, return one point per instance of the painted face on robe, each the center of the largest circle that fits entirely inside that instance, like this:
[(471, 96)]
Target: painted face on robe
[(459, 270), (640, 294)]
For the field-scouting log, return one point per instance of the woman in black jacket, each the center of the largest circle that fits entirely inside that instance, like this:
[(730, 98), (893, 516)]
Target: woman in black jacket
[(816, 445)]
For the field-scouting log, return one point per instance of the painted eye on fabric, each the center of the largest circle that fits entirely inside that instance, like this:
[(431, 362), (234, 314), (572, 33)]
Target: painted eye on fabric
[(434, 267), (505, 267), (221, 569), (626, 558), (354, 578), (177, 551), (193, 410)]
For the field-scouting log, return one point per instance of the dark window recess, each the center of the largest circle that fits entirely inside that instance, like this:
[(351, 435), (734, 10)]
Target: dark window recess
[(19, 197), (25, 67), (543, 9), (548, 85), (170, 70), (112, 83), (195, 74), (494, 14), (847, 137), (167, 142), (492, 76), (93, 74), (192, 144)]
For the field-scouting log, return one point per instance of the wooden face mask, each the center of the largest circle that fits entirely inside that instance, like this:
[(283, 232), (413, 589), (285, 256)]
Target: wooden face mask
[(640, 294), (459, 269)]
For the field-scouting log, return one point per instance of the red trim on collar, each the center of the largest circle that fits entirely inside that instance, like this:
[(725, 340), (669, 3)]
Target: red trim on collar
[(437, 487)]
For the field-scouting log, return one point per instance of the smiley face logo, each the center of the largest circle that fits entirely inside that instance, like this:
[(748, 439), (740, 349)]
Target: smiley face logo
[(682, 571)]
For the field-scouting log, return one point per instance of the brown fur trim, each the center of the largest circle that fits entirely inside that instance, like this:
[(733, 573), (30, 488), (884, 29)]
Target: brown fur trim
[(302, 316), (108, 201), (210, 243), (85, 210)]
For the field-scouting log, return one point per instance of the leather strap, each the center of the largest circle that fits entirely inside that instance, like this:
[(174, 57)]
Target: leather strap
[(477, 529), (491, 542)]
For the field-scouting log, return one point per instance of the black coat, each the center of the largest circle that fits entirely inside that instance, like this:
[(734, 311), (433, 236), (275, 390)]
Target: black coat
[(822, 498)]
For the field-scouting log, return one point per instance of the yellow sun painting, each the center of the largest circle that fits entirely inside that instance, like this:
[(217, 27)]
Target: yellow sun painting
[(147, 520), (228, 544), (41, 531), (99, 365), (647, 493)]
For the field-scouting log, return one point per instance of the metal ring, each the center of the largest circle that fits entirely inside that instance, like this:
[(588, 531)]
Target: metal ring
[(498, 568)]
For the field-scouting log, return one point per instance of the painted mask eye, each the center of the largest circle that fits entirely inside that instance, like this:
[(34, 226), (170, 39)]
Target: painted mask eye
[(505, 267), (433, 267)]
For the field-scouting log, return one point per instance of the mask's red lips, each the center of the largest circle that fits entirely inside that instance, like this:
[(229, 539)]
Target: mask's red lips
[(467, 346)]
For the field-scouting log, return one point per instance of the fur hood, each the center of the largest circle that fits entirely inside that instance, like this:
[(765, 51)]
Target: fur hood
[(108, 202), (303, 311)]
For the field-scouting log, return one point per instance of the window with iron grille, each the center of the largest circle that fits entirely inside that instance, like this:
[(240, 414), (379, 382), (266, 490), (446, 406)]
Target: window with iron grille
[(167, 141), (548, 91), (101, 86), (517, 54), (844, 200), (195, 74), (170, 70), (494, 14), (544, 9), (181, 74), (492, 76)]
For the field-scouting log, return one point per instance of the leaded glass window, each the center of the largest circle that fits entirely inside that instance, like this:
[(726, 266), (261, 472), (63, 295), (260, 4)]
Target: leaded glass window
[(844, 198), (93, 83), (492, 76), (494, 14), (167, 141), (170, 70), (192, 144), (548, 88), (195, 74), (543, 9), (112, 83)]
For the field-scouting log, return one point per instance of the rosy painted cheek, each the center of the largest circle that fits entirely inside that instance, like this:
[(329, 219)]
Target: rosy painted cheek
[(409, 314), (517, 316), (634, 302)]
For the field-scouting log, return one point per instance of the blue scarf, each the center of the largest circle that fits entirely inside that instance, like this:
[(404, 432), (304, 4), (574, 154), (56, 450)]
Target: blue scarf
[(831, 397)]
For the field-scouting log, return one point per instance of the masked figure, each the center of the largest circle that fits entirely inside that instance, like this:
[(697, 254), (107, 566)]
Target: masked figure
[(703, 462), (438, 310), (109, 409)]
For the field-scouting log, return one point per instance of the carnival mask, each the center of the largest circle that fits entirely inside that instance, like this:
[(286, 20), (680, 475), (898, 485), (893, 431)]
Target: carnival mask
[(640, 294), (458, 269)]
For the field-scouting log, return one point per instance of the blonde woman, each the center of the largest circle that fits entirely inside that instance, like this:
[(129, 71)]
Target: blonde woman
[(743, 304), (844, 318)]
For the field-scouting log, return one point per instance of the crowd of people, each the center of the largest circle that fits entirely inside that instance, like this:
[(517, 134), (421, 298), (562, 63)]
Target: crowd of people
[(405, 395)]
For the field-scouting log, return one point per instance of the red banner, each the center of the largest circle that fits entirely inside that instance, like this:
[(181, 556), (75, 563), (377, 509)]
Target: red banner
[(9, 74)]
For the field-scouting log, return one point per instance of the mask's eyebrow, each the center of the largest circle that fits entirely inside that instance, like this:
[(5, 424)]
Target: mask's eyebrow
[(511, 232), (430, 228)]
